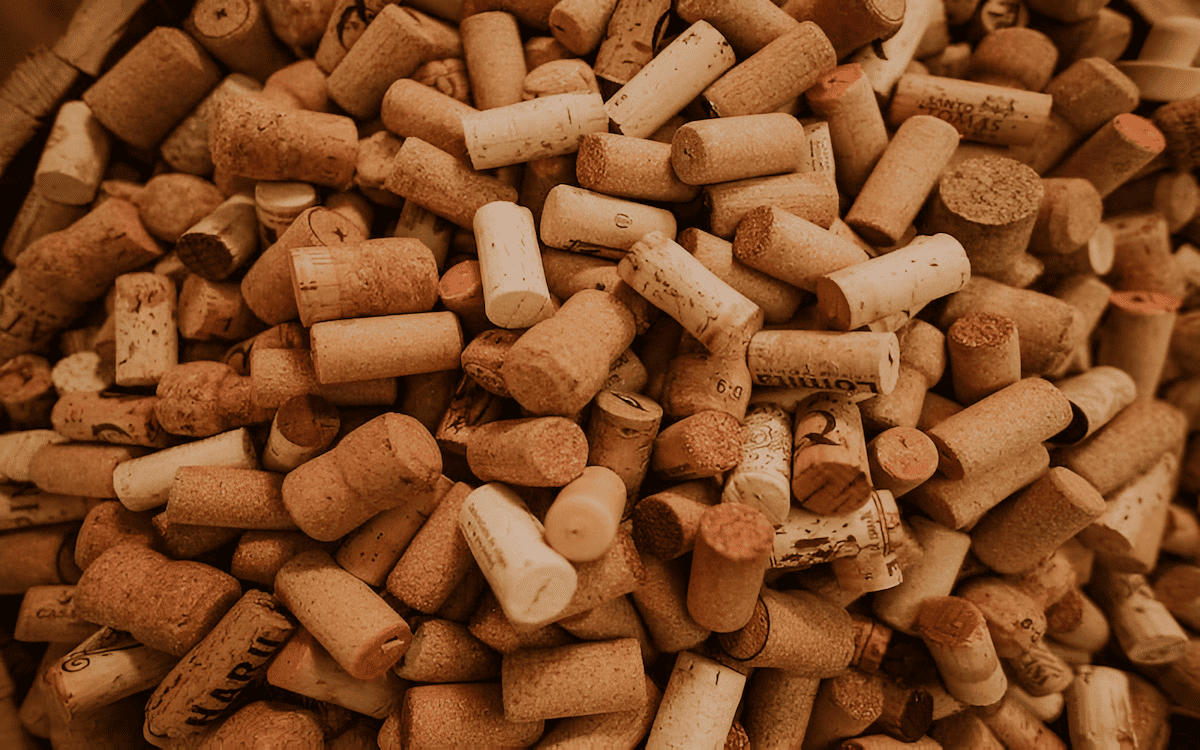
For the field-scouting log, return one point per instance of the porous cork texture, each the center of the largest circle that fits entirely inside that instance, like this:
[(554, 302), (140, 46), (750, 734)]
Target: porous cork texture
[(981, 331), (536, 452), (702, 445)]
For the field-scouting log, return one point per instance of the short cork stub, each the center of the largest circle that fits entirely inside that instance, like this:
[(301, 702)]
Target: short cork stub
[(991, 191)]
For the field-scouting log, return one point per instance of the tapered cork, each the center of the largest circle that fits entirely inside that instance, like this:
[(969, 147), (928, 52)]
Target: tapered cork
[(1114, 153)]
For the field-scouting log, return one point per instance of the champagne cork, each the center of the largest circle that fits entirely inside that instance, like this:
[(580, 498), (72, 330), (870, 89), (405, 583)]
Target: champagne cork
[(697, 706), (214, 310), (39, 216), (436, 180), (47, 615), (532, 582), (146, 483), (147, 332), (514, 283), (1130, 443), (303, 666), (355, 625), (778, 299), (559, 364), (1114, 153), (26, 391), (81, 469), (228, 496), (425, 572), (620, 436), (385, 346), (957, 636), (1068, 216), (168, 605), (1138, 322), (1144, 628), (73, 162), (845, 99), (634, 168), (665, 523), (810, 195), (444, 651), (107, 666), (200, 688), (152, 87), (790, 248), (985, 355), (668, 82), (253, 140), (901, 459), (468, 713), (980, 111), (331, 495), (796, 631), (330, 283), (792, 63), (709, 151), (851, 363), (904, 279), (763, 475), (1161, 71), (582, 522), (634, 33), (494, 56), (702, 445), (534, 129), (661, 270), (412, 109), (575, 680), (204, 398), (585, 222), (697, 380), (533, 452), (732, 550), (914, 158)]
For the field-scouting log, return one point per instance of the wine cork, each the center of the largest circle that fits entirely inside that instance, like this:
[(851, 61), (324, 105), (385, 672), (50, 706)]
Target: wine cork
[(17, 450), (914, 158), (777, 708), (1015, 620), (1129, 444), (303, 666), (185, 541), (424, 573), (330, 283), (709, 151), (748, 28), (210, 310), (611, 620), (665, 523), (236, 32), (667, 83), (1141, 322), (436, 180), (993, 224), (39, 216), (187, 147), (858, 137), (778, 299), (901, 459), (551, 683), (358, 628), (811, 195), (223, 241), (849, 363), (702, 445), (634, 168), (559, 75), (253, 140), (763, 475), (26, 391), (495, 58), (536, 452), (582, 522), (277, 375), (212, 675), (698, 706), (1096, 397), (40, 556), (47, 615), (488, 623), (147, 332), (634, 33), (331, 495), (1099, 706), (146, 483), (806, 538), (303, 427), (168, 605), (796, 631), (790, 248), (1144, 628), (108, 525), (957, 637), (697, 380), (385, 346), (444, 651), (278, 204), (73, 162), (844, 706), (620, 436), (469, 713), (228, 496), (930, 575), (532, 582), (107, 666), (792, 63), (585, 222), (301, 727), (1068, 216), (419, 224), (412, 109), (514, 283), (79, 468), (981, 112), (1175, 587), (152, 87), (535, 129), (203, 398), (1114, 153), (1128, 533), (732, 550), (985, 355), (260, 554), (1017, 58)]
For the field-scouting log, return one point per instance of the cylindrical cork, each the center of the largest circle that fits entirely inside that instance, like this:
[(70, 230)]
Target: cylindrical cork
[(303, 666), (147, 331), (187, 147), (901, 458), (702, 445), (557, 366), (445, 651), (429, 568), (903, 280), (850, 25), (733, 546), (532, 582), (634, 33), (1015, 535), (792, 249), (412, 109), (202, 398), (620, 435), (17, 449), (260, 554), (223, 241), (386, 276), (905, 174), (303, 427), (763, 476), (932, 574), (990, 205), (796, 631), (495, 58), (980, 112), (199, 689), (1039, 673), (438, 181), (237, 33), (514, 284), (144, 483), (665, 523), (957, 636), (273, 718), (698, 705), (829, 455), (810, 195), (782, 70), (749, 27), (1128, 533), (1096, 396), (336, 492), (697, 380), (168, 605), (593, 224), (1068, 216), (385, 346), (985, 355), (534, 452), (582, 522), (1143, 259), (845, 99), (1177, 121), (1016, 58), (778, 299), (47, 615), (844, 706), (1136, 337), (777, 710), (1144, 628), (210, 310), (279, 374), (575, 680), (82, 469), (105, 667), (535, 129), (635, 168), (853, 363), (736, 148), (1099, 708), (75, 157), (39, 216), (1114, 153), (153, 87), (1177, 587), (661, 598), (228, 496), (39, 556), (467, 714), (1128, 445), (354, 624), (806, 538), (669, 81)]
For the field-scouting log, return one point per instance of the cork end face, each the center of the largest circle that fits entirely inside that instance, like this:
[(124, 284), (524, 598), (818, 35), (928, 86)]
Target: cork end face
[(737, 533), (981, 330), (1140, 132), (991, 191)]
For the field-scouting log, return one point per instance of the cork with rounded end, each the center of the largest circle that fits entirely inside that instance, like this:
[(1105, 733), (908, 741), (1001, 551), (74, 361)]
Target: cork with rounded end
[(990, 205), (985, 355), (957, 635), (463, 714), (900, 459), (1016, 57), (168, 605), (733, 548), (581, 523), (1068, 216), (110, 524), (575, 680), (796, 631), (535, 452), (702, 445), (1114, 153)]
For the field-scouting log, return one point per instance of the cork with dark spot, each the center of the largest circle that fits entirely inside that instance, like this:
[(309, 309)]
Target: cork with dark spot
[(665, 523), (1066, 614), (951, 624), (990, 205), (702, 445), (484, 356), (732, 551), (468, 714), (173, 203), (794, 630), (1016, 57), (574, 680), (535, 452)]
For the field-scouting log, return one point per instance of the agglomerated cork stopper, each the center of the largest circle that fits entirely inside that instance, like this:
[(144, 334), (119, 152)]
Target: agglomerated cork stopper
[(702, 445), (991, 191), (981, 330), (737, 533), (1015, 57)]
